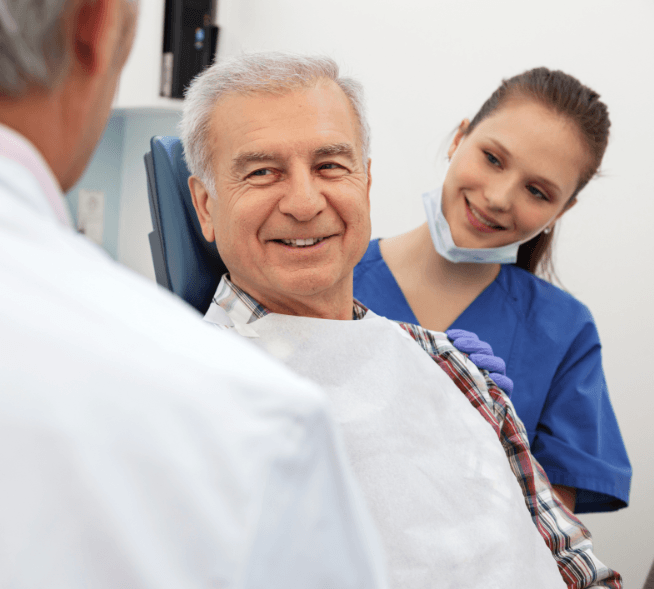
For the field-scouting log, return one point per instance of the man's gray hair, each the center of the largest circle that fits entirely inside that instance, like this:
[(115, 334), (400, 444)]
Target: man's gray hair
[(275, 73), (32, 44)]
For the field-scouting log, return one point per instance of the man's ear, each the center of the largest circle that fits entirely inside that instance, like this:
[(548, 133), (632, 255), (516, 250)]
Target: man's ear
[(204, 205), (94, 33), (369, 180), (460, 134)]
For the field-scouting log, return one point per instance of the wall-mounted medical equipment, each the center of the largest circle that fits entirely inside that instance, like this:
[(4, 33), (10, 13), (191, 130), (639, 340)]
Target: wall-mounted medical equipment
[(190, 40)]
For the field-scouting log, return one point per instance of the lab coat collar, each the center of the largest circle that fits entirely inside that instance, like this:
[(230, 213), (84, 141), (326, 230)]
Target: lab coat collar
[(44, 193)]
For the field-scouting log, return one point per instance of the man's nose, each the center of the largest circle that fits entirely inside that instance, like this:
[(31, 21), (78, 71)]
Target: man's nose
[(302, 198)]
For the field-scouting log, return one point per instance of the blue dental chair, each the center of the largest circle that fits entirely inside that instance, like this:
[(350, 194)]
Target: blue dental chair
[(179, 249)]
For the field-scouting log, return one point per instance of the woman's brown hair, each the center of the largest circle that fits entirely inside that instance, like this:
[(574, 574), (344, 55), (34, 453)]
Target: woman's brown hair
[(566, 96)]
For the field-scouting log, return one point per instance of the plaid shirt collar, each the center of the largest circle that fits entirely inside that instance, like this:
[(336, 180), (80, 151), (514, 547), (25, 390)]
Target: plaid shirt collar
[(244, 309)]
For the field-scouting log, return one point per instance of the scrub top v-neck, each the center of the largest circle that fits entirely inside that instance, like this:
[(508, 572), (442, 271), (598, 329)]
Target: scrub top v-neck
[(552, 351)]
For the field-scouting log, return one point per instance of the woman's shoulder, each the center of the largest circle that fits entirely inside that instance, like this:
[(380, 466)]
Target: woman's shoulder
[(372, 266), (536, 298), (372, 255)]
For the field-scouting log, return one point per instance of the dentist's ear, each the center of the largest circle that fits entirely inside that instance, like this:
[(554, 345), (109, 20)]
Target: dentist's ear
[(204, 205), (460, 134)]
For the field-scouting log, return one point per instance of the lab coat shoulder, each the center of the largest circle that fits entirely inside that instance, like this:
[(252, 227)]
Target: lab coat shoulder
[(139, 447)]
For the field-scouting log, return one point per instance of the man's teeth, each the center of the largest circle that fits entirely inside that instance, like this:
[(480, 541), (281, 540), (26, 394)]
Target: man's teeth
[(302, 242)]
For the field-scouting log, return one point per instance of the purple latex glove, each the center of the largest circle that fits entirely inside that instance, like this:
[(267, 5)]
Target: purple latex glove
[(481, 355)]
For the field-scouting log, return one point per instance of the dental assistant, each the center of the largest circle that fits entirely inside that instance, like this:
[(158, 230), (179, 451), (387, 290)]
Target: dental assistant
[(514, 171)]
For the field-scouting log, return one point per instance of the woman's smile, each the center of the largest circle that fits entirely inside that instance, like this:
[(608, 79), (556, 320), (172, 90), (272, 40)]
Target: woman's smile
[(480, 221)]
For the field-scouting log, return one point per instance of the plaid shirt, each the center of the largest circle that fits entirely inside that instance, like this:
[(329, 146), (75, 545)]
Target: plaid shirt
[(567, 538)]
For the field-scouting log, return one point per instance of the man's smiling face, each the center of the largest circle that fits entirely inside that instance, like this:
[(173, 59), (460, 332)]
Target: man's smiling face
[(291, 214)]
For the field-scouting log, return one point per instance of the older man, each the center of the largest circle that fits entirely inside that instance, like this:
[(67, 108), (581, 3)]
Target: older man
[(136, 452), (278, 148)]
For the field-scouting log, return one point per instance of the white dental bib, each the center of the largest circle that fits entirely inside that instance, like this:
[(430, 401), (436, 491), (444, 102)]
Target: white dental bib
[(450, 511)]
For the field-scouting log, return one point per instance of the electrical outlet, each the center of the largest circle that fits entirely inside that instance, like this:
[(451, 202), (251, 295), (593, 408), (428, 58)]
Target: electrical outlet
[(90, 214)]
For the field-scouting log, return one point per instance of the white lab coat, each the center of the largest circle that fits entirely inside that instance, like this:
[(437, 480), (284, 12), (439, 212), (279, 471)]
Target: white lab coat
[(138, 448)]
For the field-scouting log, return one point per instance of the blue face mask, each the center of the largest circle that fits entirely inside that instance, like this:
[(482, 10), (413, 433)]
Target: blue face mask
[(441, 235)]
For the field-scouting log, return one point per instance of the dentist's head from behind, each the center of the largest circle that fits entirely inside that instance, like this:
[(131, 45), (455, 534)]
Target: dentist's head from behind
[(59, 69)]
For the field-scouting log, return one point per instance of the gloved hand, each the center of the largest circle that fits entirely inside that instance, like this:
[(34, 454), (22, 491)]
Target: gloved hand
[(481, 355)]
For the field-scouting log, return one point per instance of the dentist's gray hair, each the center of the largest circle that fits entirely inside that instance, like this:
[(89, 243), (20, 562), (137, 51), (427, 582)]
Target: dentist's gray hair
[(32, 43), (275, 73)]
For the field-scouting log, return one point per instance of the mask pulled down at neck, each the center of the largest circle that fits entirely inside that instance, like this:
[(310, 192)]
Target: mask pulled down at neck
[(441, 235)]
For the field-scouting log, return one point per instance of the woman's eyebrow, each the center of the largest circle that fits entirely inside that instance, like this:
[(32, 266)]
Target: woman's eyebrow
[(551, 185), (500, 147)]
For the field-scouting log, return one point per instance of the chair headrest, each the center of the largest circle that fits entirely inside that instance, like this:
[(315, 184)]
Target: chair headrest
[(193, 263)]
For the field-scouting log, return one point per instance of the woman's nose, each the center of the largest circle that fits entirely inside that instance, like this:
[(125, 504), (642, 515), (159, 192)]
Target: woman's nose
[(499, 195)]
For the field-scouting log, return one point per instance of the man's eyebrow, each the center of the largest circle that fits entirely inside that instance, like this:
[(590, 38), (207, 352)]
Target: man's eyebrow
[(241, 161), (551, 185), (345, 149)]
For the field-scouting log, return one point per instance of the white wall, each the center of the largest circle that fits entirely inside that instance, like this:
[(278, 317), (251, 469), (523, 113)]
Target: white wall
[(118, 170), (103, 173), (428, 64), (135, 218)]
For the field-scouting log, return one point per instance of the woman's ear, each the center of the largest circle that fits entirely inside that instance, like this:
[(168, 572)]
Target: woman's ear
[(571, 203), (460, 134)]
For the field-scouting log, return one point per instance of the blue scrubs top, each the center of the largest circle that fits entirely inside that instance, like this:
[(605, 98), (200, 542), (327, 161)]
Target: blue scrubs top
[(551, 347)]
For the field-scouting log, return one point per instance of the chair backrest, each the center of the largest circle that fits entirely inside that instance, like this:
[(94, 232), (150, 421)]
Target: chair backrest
[(184, 262)]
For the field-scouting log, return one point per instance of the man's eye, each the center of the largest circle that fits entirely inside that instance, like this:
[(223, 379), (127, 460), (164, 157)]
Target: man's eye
[(262, 176), (492, 159), (262, 172), (331, 170)]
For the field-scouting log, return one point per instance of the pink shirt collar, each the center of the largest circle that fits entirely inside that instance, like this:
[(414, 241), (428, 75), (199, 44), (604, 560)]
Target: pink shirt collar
[(16, 147)]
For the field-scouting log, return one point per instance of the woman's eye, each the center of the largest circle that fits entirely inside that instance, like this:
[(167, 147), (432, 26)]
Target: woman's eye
[(537, 193), (492, 159)]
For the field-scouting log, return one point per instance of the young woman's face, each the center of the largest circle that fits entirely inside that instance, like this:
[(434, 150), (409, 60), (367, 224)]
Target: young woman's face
[(512, 176)]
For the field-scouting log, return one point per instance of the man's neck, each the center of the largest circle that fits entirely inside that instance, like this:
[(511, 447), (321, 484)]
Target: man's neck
[(335, 304), (35, 117)]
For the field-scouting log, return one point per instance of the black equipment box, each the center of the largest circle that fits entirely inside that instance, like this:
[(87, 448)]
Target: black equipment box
[(189, 46)]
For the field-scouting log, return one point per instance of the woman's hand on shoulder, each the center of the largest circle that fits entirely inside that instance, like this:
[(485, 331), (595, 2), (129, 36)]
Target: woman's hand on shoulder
[(481, 355)]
